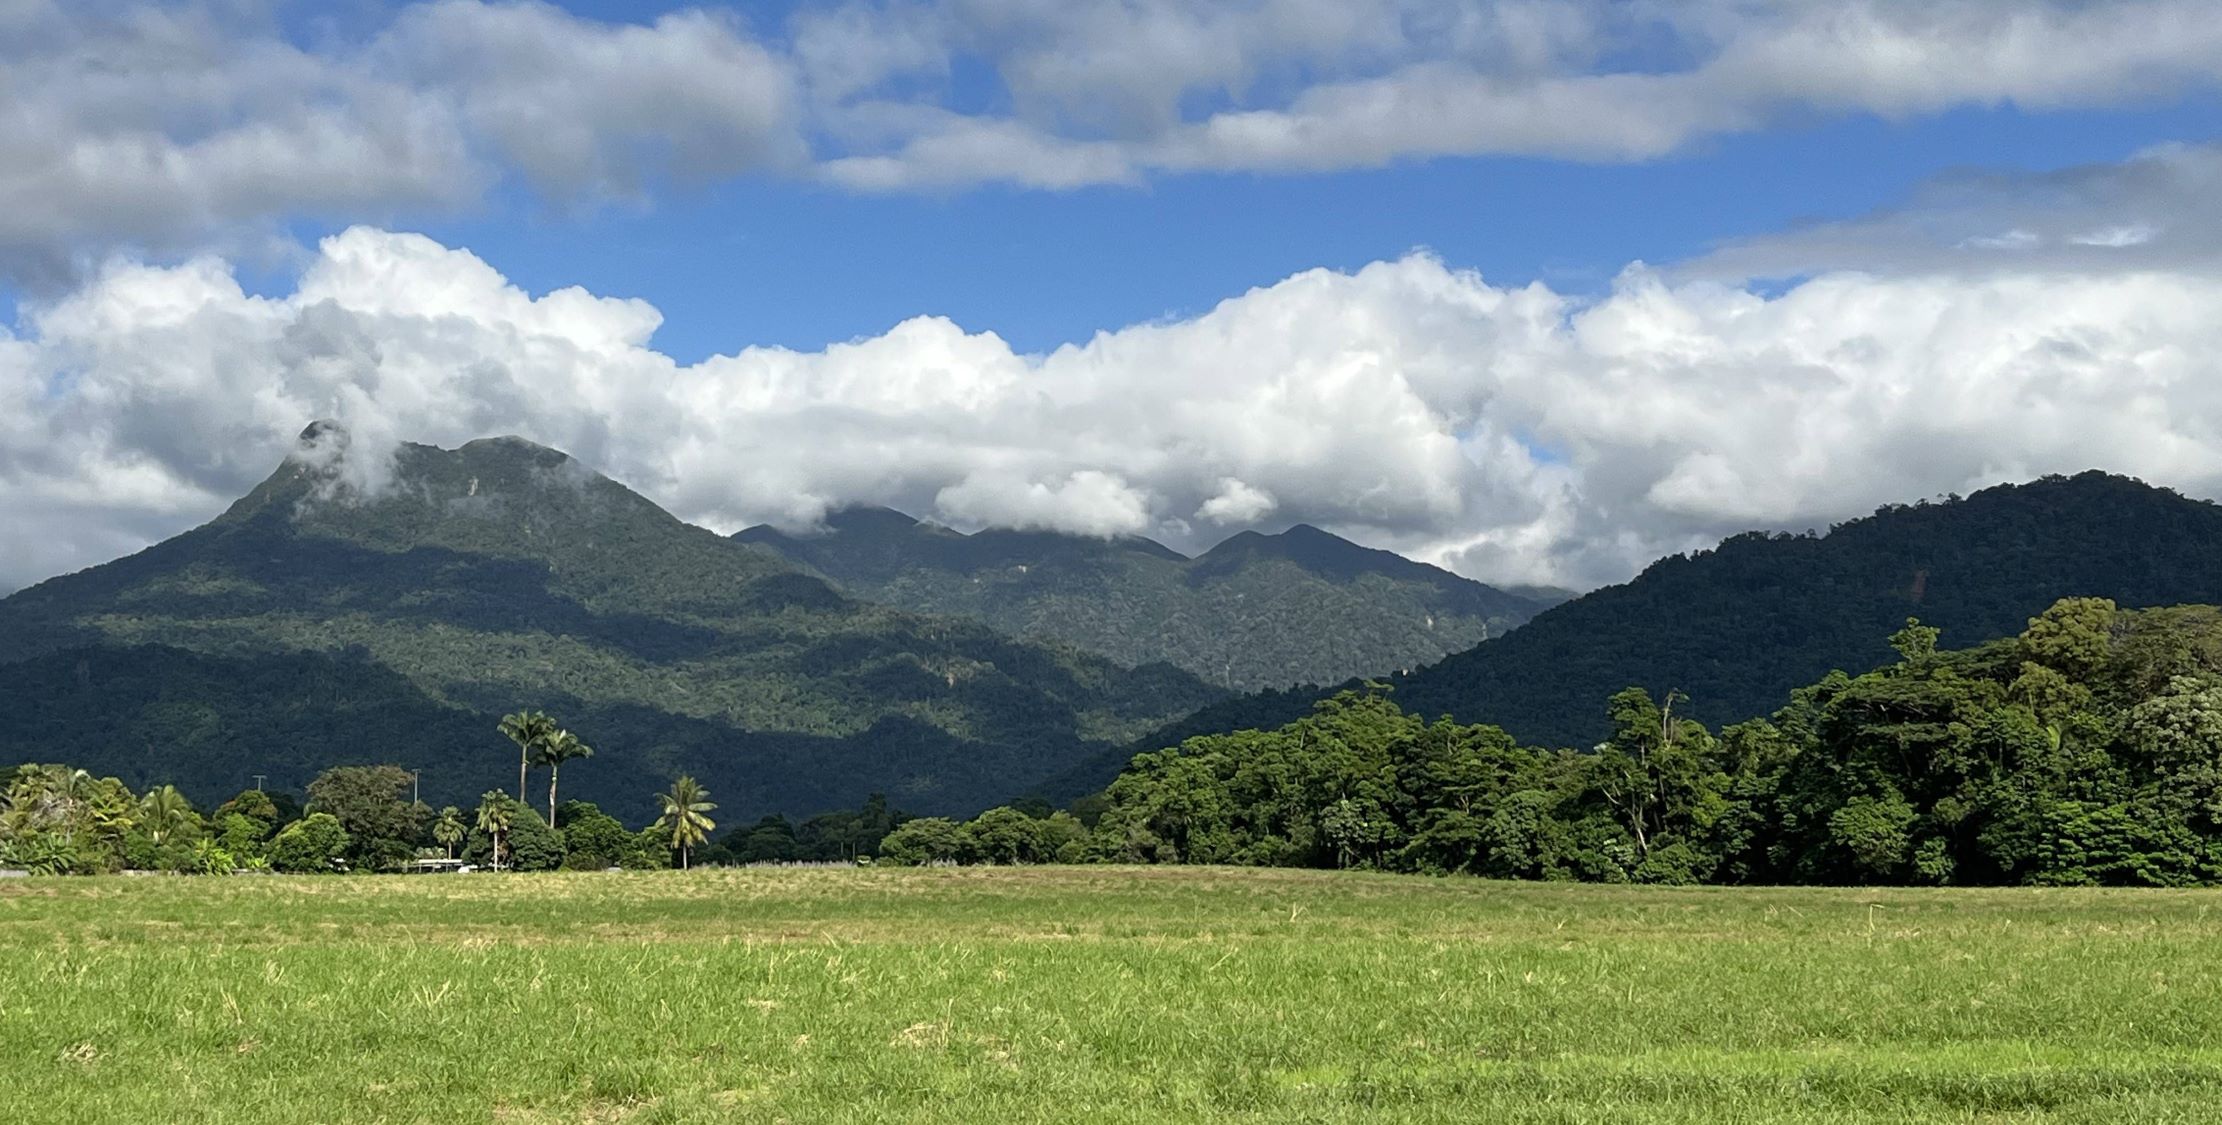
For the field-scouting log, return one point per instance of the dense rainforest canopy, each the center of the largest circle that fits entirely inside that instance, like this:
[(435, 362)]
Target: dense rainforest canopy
[(2087, 749), (1257, 611), (1738, 627), (318, 624)]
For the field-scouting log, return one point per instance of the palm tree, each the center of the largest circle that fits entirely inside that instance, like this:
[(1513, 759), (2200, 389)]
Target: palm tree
[(448, 830), (530, 731), (166, 810), (494, 818), (556, 749), (683, 816)]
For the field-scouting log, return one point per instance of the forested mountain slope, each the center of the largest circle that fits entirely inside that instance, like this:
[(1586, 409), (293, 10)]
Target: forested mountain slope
[(1737, 627), (312, 624), (1257, 611)]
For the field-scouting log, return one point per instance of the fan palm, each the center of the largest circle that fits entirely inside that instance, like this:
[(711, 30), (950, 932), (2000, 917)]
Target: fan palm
[(683, 817), (530, 730), (448, 830), (165, 811), (494, 818), (556, 749)]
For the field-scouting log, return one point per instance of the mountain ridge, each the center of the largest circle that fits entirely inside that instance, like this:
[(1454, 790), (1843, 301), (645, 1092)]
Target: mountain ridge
[(1737, 626), (504, 574), (1299, 606)]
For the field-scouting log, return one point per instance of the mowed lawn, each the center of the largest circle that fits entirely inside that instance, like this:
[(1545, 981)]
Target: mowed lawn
[(1091, 994)]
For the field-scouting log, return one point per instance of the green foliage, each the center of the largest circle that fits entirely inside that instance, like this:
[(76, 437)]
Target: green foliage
[(382, 828), (928, 840), (497, 813), (2087, 750), (685, 822), (1740, 626), (253, 804), (314, 844), (241, 835), (533, 846), (1257, 611), (593, 839), (833, 837), (448, 829), (305, 626), (559, 747)]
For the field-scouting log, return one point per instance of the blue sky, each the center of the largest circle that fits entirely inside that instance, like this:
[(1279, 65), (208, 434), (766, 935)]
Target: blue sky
[(1368, 265), (764, 261)]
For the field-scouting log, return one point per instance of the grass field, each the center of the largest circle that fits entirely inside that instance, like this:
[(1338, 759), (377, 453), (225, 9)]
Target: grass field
[(1093, 994)]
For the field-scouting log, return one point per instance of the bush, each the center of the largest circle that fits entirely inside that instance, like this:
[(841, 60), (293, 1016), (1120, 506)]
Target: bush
[(41, 853), (533, 846), (310, 845), (650, 850), (932, 839), (242, 835), (592, 839)]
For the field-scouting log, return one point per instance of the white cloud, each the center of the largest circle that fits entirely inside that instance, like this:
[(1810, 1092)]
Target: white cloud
[(2117, 237), (1117, 90), (2160, 209), (1237, 503), (1086, 501), (183, 125), (1514, 433), (179, 127)]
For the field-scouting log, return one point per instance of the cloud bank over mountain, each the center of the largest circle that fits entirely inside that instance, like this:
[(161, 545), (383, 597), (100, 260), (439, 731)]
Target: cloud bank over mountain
[(1513, 434)]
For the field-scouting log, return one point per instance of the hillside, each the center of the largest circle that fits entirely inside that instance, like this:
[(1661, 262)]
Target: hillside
[(1737, 627), (310, 624), (1257, 611)]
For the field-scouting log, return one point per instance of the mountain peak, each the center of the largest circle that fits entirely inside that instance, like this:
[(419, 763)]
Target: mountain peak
[(868, 518), (321, 432), (1321, 552)]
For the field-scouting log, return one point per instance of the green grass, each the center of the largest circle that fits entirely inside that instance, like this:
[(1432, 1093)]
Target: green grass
[(1088, 994)]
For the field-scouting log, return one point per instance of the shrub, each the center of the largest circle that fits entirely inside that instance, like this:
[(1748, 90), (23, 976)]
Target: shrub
[(310, 845), (932, 839)]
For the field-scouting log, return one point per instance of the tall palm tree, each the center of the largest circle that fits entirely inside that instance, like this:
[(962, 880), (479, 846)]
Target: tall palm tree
[(530, 730), (556, 749), (165, 811), (448, 830), (494, 818), (684, 809)]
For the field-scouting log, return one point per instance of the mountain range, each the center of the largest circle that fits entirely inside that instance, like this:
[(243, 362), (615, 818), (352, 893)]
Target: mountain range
[(319, 621), (1737, 627), (330, 617), (1300, 607)]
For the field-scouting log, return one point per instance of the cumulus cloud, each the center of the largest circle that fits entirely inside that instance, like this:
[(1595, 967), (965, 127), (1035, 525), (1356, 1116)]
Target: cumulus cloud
[(178, 126), (1088, 501), (1237, 503), (1118, 90), (1513, 433), (183, 126)]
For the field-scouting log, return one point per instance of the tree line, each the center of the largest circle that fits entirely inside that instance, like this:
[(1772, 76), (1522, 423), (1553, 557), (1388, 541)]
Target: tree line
[(2085, 750), (56, 819)]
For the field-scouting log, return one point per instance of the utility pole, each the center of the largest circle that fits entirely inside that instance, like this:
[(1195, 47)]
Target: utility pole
[(413, 798), (258, 781)]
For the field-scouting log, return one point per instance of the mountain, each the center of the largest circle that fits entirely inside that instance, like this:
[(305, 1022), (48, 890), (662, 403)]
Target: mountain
[(1256, 611), (1737, 627), (315, 623)]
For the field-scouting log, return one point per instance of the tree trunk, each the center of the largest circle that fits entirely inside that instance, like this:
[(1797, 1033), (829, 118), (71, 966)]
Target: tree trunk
[(521, 773), (551, 794)]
